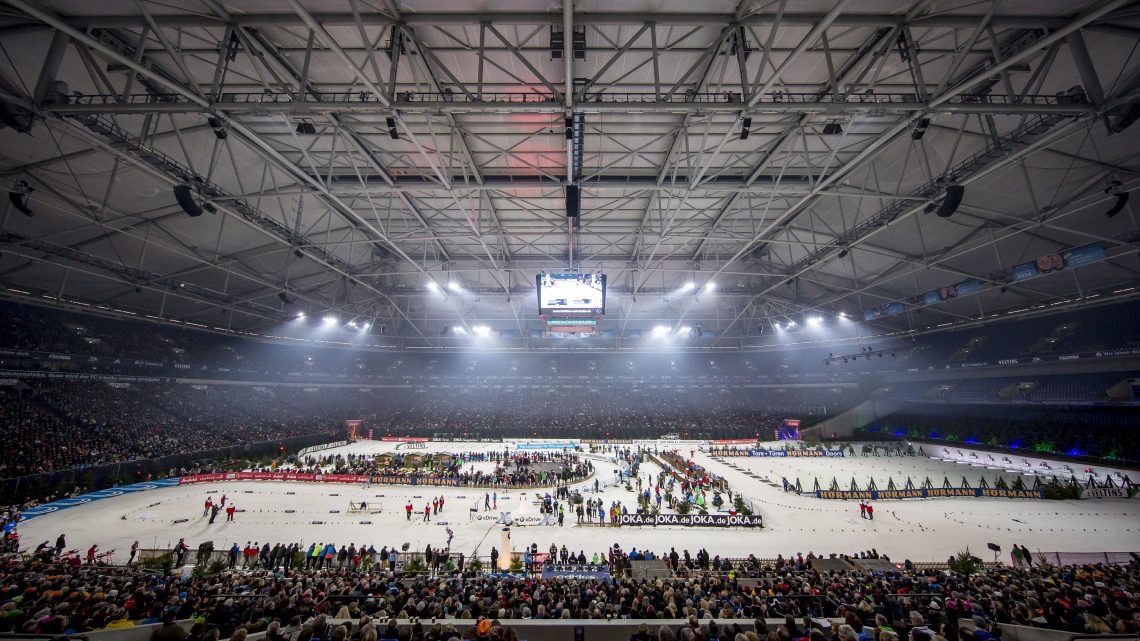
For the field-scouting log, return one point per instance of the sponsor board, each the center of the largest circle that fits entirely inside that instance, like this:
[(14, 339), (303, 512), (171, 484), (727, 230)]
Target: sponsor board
[(692, 520), (733, 441), (316, 478), (544, 446), (797, 453), (405, 439), (577, 575), (923, 493), (62, 504), (318, 448), (1104, 493)]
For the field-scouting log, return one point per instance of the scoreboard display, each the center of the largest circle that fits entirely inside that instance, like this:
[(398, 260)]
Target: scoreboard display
[(571, 294)]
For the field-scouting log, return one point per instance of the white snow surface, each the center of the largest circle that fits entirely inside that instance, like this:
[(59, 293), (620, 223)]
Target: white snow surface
[(918, 529)]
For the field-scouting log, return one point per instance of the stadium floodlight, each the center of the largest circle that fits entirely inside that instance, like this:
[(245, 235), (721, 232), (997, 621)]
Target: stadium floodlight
[(709, 286), (843, 314), (458, 329), (685, 329), (687, 286), (432, 286), (791, 323), (352, 324), (814, 320), (300, 315), (660, 330), (481, 330), (777, 326), (453, 286), (330, 320), (367, 326)]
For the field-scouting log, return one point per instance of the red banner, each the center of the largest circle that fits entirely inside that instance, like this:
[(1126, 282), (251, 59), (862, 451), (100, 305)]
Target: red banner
[(405, 439), (274, 476)]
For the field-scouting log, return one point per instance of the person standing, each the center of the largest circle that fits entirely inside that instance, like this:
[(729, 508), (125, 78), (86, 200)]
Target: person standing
[(494, 559), (134, 552), (179, 553), (862, 510), (91, 554), (214, 509), (1026, 556), (408, 509), (230, 512), (209, 504), (870, 512)]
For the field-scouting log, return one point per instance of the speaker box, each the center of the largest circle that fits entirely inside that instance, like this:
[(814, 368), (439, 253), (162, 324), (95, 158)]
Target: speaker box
[(950, 203), (573, 201), (185, 199)]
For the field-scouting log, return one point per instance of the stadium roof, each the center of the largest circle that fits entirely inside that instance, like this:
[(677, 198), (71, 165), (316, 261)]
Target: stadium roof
[(363, 155)]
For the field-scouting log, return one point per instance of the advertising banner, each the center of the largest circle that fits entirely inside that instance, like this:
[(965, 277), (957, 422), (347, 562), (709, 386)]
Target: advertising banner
[(316, 478), (1104, 493), (693, 520), (583, 574), (405, 439), (964, 492), (797, 453), (886, 309)]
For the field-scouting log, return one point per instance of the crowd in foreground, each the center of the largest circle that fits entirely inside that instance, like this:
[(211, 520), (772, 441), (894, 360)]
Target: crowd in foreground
[(297, 604)]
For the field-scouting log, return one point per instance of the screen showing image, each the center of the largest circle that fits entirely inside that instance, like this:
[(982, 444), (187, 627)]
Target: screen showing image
[(571, 294)]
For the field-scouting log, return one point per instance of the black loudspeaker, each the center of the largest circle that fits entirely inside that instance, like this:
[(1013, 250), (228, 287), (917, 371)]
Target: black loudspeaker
[(573, 201), (950, 203), (186, 200)]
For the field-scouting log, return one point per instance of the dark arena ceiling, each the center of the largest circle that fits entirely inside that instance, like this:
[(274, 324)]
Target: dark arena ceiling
[(403, 165)]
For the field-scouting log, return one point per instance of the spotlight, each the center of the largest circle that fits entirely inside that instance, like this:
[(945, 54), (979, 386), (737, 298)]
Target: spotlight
[(306, 127), (284, 298), (330, 320), (393, 133), (814, 320), (843, 314), (459, 330), (454, 286), (352, 324), (1116, 188), (432, 286), (300, 315), (19, 198), (686, 287), (660, 330), (710, 286), (777, 326)]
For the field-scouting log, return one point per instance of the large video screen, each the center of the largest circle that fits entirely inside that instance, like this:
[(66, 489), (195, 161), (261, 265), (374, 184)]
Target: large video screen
[(571, 294)]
